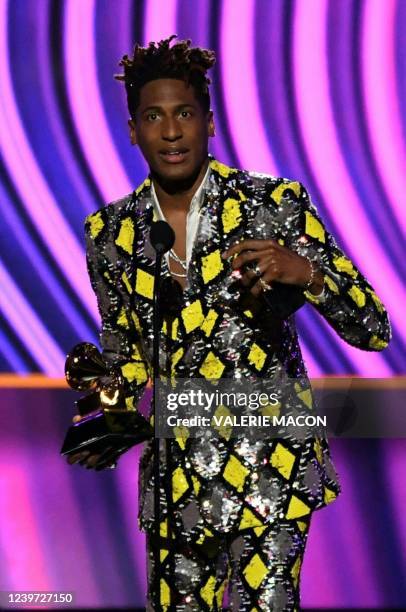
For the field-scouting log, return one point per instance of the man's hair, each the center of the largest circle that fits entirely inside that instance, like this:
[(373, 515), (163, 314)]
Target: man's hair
[(162, 61)]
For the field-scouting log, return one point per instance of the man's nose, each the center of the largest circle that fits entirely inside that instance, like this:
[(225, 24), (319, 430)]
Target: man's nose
[(171, 130)]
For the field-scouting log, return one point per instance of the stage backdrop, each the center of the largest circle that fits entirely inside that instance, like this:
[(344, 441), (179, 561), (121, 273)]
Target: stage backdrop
[(308, 90), (311, 90)]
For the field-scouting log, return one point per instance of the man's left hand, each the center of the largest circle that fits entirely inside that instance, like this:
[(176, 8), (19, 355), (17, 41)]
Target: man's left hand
[(273, 262)]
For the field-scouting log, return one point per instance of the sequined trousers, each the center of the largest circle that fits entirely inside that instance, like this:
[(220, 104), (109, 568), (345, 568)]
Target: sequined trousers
[(259, 567)]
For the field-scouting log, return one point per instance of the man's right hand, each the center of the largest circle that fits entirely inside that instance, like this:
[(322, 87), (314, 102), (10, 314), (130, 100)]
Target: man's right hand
[(85, 457)]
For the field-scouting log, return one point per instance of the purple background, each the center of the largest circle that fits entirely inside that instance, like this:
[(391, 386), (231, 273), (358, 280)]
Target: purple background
[(308, 89)]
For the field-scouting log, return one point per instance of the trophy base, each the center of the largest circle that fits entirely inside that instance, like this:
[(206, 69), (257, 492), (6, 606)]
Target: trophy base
[(113, 430)]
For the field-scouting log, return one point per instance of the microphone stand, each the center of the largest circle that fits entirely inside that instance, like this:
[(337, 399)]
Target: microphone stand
[(162, 238), (156, 442)]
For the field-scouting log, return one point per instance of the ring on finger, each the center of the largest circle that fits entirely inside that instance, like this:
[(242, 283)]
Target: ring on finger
[(257, 270), (266, 286)]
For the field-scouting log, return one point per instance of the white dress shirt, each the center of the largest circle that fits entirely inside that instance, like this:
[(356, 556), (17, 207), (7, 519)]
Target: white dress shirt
[(192, 218)]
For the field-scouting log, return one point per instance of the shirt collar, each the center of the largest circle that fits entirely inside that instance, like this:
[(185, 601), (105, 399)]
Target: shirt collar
[(197, 199)]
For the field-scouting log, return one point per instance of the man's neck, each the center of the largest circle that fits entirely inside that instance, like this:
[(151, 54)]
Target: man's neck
[(178, 195)]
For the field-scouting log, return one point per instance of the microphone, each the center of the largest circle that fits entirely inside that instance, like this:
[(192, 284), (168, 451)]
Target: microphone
[(162, 237)]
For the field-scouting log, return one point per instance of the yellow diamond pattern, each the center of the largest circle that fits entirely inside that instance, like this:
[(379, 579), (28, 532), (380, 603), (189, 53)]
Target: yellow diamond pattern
[(208, 323), (196, 485), (173, 329), (96, 224), (143, 185), (259, 530), (231, 216), (314, 228), (331, 284), (136, 321), (277, 193), (165, 593), (179, 484), (377, 343), (255, 571), (343, 264), (306, 397), (329, 495), (181, 435), (357, 295), (126, 282), (212, 367), (270, 410), (207, 592), (136, 353), (163, 528), (295, 571), (144, 284), (249, 519), (318, 450), (125, 236), (222, 169), (224, 431), (212, 265), (283, 460), (296, 508), (220, 593), (257, 356), (175, 359), (192, 316), (376, 300), (302, 526), (235, 473), (122, 318), (129, 403), (134, 370)]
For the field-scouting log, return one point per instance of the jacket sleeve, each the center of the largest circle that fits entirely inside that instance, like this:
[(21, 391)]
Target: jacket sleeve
[(348, 302), (119, 337)]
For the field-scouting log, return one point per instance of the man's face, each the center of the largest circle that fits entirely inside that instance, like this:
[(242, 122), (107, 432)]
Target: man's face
[(171, 130)]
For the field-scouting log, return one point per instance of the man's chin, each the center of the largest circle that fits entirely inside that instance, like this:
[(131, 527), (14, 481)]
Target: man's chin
[(176, 175)]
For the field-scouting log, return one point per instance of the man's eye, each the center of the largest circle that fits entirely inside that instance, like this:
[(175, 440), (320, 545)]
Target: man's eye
[(185, 114), (152, 116)]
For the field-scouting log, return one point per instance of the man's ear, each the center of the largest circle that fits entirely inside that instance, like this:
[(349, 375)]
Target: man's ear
[(211, 126), (133, 137)]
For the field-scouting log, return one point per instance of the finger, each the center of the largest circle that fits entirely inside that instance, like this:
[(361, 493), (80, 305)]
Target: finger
[(107, 459), (248, 257), (77, 418), (256, 245), (95, 459), (78, 456), (248, 278), (273, 271), (266, 278), (91, 461), (257, 289), (71, 459)]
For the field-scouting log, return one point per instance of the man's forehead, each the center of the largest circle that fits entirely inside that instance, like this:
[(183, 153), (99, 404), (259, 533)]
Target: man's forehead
[(167, 92)]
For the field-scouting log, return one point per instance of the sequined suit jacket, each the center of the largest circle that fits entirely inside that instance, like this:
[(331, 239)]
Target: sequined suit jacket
[(220, 485)]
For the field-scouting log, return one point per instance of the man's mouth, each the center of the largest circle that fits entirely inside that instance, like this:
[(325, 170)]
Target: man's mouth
[(173, 156)]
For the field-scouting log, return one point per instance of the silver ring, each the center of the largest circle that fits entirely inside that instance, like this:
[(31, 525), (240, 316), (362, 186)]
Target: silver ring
[(264, 284), (257, 270), (112, 466)]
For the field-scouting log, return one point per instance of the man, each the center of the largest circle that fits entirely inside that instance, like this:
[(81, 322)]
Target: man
[(236, 512)]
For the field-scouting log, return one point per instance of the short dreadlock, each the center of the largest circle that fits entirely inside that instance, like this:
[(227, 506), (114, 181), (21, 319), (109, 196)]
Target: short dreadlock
[(160, 61)]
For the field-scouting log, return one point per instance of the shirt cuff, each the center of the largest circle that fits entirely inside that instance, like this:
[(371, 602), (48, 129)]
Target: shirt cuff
[(320, 298)]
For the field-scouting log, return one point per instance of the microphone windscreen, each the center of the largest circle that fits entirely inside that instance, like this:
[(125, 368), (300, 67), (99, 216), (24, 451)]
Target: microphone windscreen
[(162, 236)]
